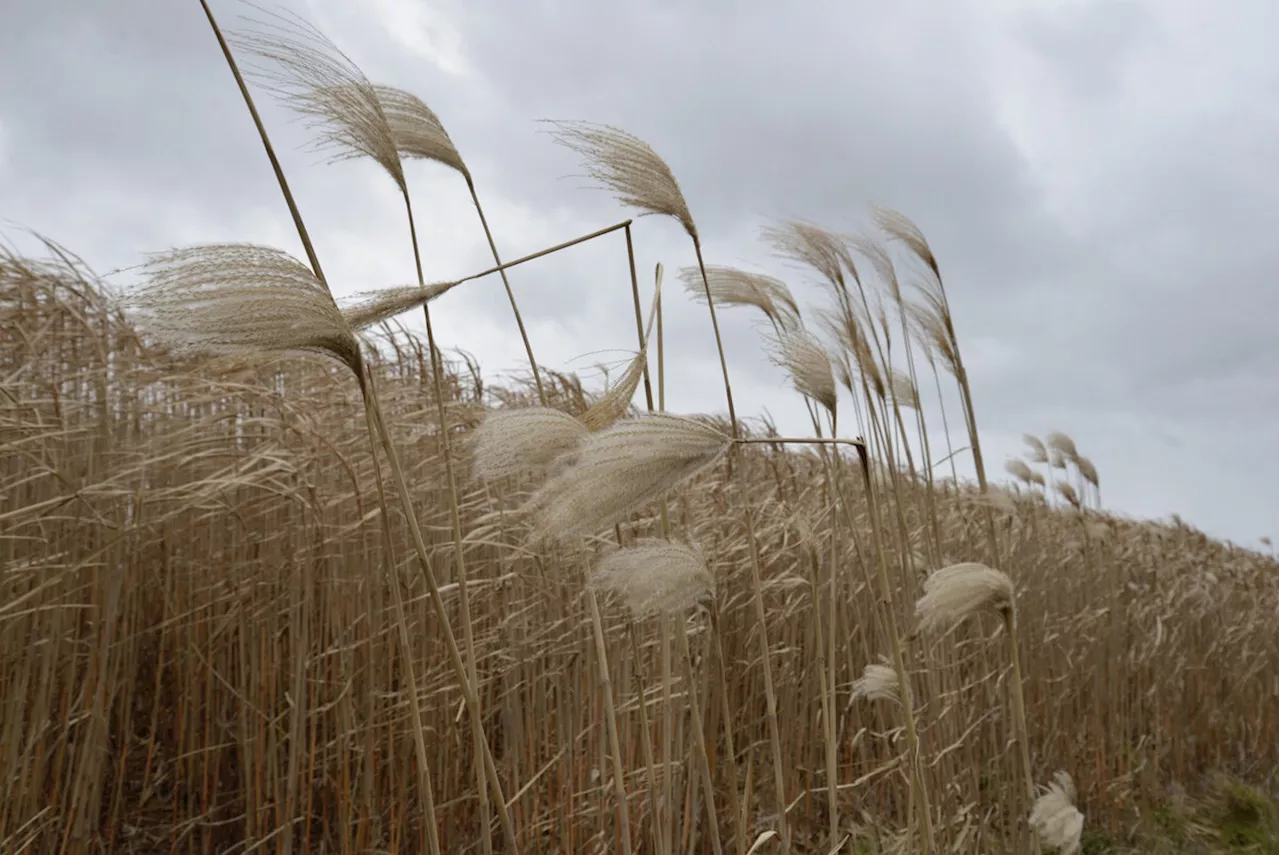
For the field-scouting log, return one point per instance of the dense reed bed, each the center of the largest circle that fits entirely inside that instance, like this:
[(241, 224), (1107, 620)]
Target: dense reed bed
[(574, 622), (198, 653)]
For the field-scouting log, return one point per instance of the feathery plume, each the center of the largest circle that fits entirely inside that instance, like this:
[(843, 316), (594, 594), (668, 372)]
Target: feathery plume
[(417, 130), (961, 590), (1088, 471), (797, 351), (622, 468), (236, 299), (374, 307), (931, 332), (1055, 817), (1019, 469), (814, 247), (904, 390), (1036, 478), (878, 255), (514, 441), (655, 577), (626, 164), (316, 79), (1063, 444), (898, 226), (733, 287), (879, 682), (1037, 453), (1069, 493)]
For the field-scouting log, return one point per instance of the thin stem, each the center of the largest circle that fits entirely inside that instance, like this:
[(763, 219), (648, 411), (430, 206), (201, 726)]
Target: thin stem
[(635, 297), (548, 251), (611, 722), (461, 673), (460, 568), (646, 745), (1020, 715), (899, 659), (406, 646), (502, 271), (757, 584), (699, 738)]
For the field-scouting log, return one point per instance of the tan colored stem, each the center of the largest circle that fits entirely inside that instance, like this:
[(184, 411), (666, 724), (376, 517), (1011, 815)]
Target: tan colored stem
[(502, 271), (611, 723)]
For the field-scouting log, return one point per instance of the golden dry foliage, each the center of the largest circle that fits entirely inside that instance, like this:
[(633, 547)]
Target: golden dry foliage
[(198, 647)]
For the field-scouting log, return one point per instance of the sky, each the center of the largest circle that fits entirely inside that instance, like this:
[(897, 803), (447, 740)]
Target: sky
[(1097, 179)]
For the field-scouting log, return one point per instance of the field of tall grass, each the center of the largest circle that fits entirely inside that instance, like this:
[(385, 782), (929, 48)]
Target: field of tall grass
[(277, 575)]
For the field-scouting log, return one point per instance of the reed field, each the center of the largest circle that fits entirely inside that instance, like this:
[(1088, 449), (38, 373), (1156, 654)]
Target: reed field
[(280, 574)]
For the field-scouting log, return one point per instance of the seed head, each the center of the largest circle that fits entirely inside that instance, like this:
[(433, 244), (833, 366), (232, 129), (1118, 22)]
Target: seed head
[(312, 76), (802, 356), (240, 299), (622, 468), (1055, 817), (879, 682), (417, 131), (955, 593), (656, 577), (373, 307), (730, 286), (627, 165), (510, 442), (1062, 444)]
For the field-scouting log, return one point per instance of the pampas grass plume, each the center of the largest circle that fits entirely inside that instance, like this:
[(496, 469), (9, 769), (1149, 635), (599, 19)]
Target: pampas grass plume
[(316, 79), (1056, 818), (655, 577), (374, 307), (621, 468), (730, 286), (514, 441), (629, 167), (238, 299), (802, 356), (417, 130), (960, 591), (879, 682)]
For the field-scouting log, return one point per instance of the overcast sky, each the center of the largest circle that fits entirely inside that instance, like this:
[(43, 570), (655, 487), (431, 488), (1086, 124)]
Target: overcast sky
[(1098, 179)]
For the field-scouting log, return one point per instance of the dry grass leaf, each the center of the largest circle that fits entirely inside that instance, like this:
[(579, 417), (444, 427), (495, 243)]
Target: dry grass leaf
[(1055, 817), (237, 299), (656, 577), (627, 165), (514, 441), (622, 468), (309, 74), (955, 593)]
